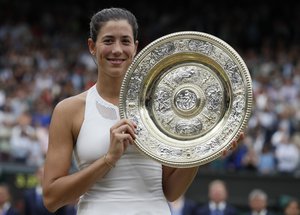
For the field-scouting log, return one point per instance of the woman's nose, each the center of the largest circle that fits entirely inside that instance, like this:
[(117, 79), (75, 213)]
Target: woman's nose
[(117, 48)]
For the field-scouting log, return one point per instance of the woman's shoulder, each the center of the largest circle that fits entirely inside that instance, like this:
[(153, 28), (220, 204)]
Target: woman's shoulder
[(71, 104), (69, 112)]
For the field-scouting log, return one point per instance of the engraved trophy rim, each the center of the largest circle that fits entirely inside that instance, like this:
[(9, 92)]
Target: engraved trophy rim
[(190, 94)]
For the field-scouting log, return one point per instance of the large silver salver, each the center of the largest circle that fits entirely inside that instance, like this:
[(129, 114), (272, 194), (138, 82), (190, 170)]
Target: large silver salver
[(190, 94)]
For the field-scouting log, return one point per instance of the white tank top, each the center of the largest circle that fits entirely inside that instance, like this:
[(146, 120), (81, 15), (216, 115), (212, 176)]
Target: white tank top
[(134, 186)]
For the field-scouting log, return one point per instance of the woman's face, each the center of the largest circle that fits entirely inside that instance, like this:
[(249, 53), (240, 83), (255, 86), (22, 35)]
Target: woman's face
[(218, 193), (4, 195), (115, 48), (258, 203)]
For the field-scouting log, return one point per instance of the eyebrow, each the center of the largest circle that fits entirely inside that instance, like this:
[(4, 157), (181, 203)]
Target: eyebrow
[(111, 36)]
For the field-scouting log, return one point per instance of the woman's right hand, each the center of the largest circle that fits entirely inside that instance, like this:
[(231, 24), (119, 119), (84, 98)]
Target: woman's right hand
[(121, 135)]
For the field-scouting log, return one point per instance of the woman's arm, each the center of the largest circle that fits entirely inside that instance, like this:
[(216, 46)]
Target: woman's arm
[(60, 188), (176, 181)]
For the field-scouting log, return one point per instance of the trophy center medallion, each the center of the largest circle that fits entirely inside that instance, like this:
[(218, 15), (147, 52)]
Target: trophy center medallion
[(186, 100)]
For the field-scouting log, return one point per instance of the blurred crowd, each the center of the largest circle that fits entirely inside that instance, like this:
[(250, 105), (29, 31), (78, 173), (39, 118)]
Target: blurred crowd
[(44, 59), (218, 203)]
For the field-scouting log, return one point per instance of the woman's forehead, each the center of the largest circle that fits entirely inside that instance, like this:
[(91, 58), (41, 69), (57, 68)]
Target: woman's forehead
[(113, 27)]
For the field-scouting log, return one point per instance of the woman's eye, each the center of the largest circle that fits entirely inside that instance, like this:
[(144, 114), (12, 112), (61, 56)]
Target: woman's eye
[(126, 42), (108, 41)]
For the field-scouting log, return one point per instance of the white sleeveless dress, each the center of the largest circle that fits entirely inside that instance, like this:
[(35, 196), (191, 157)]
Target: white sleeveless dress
[(134, 186)]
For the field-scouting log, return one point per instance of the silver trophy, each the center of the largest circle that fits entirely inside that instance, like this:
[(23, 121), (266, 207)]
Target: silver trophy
[(190, 94)]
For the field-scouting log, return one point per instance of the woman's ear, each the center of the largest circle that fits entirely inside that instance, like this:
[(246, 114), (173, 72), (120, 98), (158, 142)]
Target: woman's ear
[(92, 46), (135, 47)]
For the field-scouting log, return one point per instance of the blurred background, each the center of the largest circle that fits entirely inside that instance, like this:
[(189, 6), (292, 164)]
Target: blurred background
[(44, 58)]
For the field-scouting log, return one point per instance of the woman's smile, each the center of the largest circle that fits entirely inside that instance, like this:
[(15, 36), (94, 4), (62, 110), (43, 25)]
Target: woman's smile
[(116, 61)]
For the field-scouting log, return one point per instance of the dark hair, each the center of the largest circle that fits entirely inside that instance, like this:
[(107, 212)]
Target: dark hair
[(109, 14)]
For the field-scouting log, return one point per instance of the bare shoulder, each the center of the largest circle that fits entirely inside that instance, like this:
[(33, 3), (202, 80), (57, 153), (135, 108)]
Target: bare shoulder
[(70, 112), (71, 104)]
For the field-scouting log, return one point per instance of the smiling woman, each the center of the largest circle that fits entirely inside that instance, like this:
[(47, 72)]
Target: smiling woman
[(113, 175), (114, 49)]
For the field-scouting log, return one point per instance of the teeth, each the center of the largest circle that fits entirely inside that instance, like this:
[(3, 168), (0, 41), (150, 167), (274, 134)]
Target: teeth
[(116, 60)]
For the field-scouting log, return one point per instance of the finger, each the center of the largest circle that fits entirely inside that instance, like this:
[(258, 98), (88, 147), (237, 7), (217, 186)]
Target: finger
[(234, 145), (127, 139), (224, 153), (242, 136), (129, 122), (127, 129), (123, 129), (124, 138), (133, 123), (124, 122)]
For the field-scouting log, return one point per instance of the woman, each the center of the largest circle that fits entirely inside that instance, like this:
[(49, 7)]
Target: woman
[(113, 176)]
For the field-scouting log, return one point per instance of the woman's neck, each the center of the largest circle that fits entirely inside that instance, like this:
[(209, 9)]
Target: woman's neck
[(109, 90)]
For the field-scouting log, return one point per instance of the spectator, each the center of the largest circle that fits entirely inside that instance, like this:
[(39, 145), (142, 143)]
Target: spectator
[(22, 135), (250, 159), (25, 147), (266, 161), (292, 207), (7, 121), (279, 135), (6, 207), (217, 205), (234, 161), (287, 156), (258, 202)]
